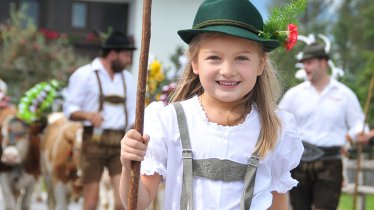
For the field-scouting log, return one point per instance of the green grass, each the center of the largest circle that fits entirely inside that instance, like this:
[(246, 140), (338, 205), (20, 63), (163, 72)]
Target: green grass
[(346, 202)]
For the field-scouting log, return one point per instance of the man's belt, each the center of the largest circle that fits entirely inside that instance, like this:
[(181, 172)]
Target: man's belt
[(313, 152), (89, 130)]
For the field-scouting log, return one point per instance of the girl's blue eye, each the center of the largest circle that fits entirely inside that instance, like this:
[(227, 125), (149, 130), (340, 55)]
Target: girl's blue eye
[(243, 58), (213, 57)]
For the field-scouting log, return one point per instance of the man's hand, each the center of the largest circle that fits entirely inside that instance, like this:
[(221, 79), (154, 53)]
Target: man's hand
[(96, 119)]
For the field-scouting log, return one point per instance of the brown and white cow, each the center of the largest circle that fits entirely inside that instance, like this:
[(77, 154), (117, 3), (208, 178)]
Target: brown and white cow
[(60, 160), (20, 158), (60, 164)]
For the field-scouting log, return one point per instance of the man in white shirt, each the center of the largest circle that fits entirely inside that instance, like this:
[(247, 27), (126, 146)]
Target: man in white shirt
[(325, 111), (102, 95)]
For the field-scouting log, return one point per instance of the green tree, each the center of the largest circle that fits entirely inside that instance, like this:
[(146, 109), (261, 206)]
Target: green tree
[(28, 56), (354, 35)]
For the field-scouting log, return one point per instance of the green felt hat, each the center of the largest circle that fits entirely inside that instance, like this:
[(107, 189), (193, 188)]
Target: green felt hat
[(238, 18), (314, 50)]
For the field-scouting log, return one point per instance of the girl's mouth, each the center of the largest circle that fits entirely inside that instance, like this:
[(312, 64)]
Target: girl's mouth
[(227, 83)]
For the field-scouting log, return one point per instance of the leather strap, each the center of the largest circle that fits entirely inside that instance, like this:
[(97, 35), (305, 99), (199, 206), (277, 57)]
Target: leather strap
[(249, 183), (186, 197), (112, 99), (101, 96), (219, 170)]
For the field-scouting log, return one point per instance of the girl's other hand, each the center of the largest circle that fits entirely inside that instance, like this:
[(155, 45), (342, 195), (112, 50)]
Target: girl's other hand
[(133, 147)]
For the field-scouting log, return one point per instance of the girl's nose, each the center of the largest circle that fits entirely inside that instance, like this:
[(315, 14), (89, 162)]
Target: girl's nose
[(227, 69)]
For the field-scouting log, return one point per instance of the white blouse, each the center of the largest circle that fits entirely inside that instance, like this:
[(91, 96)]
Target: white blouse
[(210, 140)]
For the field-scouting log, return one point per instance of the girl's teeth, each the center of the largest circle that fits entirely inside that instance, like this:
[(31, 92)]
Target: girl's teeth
[(228, 83)]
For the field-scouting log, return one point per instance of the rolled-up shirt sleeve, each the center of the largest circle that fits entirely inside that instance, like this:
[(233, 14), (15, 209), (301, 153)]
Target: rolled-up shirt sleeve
[(354, 116), (75, 93)]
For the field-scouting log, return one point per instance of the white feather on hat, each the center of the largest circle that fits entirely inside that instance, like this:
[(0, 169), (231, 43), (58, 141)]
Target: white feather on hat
[(336, 72)]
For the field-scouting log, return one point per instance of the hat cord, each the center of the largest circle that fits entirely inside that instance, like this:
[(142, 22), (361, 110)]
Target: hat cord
[(226, 22)]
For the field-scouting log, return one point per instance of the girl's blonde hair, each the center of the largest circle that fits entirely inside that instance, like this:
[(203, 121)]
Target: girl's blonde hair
[(265, 94)]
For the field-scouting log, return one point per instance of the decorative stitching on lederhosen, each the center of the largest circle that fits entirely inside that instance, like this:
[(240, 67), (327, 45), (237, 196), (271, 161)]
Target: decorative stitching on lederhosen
[(112, 99), (213, 169)]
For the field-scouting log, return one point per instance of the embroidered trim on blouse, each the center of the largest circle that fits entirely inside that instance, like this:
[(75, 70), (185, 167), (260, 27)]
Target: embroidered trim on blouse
[(283, 183), (234, 128), (151, 166)]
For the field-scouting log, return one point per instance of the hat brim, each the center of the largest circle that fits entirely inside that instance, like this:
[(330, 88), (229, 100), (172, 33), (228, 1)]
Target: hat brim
[(307, 57), (117, 47), (188, 34)]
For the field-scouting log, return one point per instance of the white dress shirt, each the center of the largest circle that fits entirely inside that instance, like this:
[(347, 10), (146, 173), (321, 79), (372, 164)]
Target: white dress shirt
[(210, 140), (324, 118), (83, 95)]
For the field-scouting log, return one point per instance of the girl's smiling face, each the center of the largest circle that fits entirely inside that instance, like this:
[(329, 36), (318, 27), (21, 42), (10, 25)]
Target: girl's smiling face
[(228, 67)]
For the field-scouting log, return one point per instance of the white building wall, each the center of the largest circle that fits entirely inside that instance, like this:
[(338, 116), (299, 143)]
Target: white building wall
[(168, 16)]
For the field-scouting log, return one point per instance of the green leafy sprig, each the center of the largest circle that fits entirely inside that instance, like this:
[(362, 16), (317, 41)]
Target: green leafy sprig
[(277, 24)]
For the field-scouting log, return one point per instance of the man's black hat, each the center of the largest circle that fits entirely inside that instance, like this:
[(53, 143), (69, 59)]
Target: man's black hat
[(118, 41), (314, 50)]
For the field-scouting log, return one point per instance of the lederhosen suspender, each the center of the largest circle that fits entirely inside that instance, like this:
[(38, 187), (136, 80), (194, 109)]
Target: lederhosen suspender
[(112, 99), (213, 169), (187, 189)]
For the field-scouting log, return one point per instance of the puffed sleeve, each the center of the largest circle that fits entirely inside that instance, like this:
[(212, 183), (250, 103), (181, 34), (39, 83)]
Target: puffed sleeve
[(286, 156), (156, 155)]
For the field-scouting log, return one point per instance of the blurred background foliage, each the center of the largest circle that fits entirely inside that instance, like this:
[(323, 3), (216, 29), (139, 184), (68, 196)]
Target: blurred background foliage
[(348, 25), (29, 56)]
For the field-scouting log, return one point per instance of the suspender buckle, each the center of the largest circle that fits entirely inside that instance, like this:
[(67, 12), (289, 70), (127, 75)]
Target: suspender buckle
[(254, 160), (186, 154)]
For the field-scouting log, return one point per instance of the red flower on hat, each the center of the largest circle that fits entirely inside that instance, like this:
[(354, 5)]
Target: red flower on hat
[(292, 36)]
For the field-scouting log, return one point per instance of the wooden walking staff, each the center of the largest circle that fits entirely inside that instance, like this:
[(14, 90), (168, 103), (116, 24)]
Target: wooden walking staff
[(359, 146), (140, 99)]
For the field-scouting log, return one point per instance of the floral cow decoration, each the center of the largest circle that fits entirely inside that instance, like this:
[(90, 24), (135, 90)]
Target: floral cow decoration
[(37, 102)]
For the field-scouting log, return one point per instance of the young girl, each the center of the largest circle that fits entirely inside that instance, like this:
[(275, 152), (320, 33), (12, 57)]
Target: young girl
[(221, 144)]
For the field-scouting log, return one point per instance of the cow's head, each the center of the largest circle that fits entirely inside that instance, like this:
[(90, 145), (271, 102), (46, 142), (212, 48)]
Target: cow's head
[(15, 142)]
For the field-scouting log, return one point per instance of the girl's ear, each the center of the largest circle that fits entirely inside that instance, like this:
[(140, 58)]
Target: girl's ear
[(194, 67), (263, 61)]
